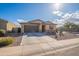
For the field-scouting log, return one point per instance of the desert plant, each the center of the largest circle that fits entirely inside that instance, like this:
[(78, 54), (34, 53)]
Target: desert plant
[(2, 32), (71, 27), (6, 41)]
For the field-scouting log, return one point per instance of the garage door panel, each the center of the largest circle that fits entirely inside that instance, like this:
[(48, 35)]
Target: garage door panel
[(30, 28)]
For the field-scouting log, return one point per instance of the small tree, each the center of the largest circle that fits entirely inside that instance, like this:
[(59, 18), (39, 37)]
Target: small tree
[(71, 27)]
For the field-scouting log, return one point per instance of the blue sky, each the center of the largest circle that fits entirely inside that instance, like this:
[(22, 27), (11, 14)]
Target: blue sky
[(30, 11)]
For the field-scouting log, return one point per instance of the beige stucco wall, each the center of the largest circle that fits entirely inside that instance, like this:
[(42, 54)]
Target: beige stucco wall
[(22, 28), (10, 26), (40, 28), (54, 27), (46, 28), (7, 26)]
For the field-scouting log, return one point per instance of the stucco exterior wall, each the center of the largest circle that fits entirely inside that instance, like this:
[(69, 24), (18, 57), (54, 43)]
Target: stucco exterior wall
[(40, 28), (46, 28), (22, 28), (10, 26), (7, 26)]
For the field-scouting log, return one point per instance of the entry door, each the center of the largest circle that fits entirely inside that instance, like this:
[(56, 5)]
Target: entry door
[(43, 28)]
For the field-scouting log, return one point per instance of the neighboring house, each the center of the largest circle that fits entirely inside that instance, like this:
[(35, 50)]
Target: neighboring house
[(5, 25), (37, 26)]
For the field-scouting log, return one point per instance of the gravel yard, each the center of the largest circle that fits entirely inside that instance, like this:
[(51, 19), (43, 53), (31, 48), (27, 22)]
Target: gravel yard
[(67, 35), (17, 41), (17, 38)]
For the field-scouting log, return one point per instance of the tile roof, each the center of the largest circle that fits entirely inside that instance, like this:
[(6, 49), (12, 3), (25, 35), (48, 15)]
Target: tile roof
[(39, 21)]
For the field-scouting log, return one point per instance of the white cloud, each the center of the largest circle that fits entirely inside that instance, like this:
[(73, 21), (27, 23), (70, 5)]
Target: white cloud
[(20, 20), (17, 24), (58, 13), (76, 15), (70, 17), (67, 15), (73, 17)]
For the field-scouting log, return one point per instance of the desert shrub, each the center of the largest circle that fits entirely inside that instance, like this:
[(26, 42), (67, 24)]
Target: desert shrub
[(2, 32), (6, 41)]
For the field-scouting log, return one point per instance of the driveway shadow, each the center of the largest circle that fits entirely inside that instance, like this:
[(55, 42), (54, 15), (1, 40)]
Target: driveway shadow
[(35, 34)]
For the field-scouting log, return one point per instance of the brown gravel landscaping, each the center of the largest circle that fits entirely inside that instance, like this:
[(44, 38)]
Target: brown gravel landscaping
[(17, 38), (67, 35)]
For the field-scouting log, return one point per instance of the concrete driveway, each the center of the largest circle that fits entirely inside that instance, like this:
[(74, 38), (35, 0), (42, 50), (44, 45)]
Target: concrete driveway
[(36, 38), (41, 43)]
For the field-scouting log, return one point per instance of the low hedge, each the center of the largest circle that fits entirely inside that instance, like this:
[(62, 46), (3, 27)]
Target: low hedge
[(6, 41)]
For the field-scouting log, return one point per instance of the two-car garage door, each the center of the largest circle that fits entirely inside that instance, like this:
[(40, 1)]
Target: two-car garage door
[(31, 28)]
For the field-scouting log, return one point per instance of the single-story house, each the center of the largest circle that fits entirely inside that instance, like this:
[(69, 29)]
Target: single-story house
[(6, 25), (37, 26)]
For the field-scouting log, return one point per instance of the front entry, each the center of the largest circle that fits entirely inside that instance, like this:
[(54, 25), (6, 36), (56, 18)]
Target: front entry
[(43, 28)]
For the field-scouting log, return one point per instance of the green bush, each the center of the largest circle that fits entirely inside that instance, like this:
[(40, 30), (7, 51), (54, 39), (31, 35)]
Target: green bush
[(2, 32), (6, 41)]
